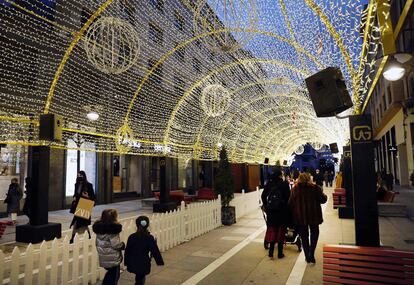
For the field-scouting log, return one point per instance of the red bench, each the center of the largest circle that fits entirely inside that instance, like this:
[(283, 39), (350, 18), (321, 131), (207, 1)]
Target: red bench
[(339, 197), (206, 194), (176, 196), (389, 197), (3, 225), (343, 264)]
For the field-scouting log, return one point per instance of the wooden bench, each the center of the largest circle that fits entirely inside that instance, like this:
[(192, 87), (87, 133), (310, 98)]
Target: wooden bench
[(339, 198), (206, 194), (343, 264)]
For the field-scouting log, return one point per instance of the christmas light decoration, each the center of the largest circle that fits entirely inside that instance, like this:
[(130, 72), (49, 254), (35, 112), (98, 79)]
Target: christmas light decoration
[(215, 100), (300, 150), (112, 45), (179, 78), (233, 14)]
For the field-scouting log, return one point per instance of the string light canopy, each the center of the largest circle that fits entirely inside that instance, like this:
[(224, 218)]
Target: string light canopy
[(148, 64)]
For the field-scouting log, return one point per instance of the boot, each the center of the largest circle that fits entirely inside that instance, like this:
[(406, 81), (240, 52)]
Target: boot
[(280, 250), (271, 249)]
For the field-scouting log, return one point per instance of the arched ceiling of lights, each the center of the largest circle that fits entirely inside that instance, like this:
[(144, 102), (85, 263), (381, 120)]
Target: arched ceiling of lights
[(175, 77)]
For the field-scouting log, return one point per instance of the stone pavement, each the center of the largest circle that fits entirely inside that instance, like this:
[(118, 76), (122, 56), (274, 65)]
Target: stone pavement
[(235, 254)]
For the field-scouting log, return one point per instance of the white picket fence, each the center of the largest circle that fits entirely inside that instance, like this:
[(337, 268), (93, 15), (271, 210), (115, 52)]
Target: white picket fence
[(246, 202), (58, 262)]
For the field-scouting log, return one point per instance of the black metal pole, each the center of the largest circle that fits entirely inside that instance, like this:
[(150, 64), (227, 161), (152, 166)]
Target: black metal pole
[(364, 181)]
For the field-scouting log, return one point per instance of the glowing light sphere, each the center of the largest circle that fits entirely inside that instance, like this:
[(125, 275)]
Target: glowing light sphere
[(112, 45), (124, 139), (236, 15), (316, 145), (300, 150), (215, 99)]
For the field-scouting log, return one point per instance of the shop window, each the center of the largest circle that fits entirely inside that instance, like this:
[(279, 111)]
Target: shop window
[(79, 160), (13, 163)]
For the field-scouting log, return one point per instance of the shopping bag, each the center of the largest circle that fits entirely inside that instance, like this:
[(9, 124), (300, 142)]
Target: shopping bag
[(84, 208)]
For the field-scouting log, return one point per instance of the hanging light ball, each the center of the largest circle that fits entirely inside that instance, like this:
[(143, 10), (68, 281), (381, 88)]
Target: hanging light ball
[(300, 150), (215, 99), (124, 138), (316, 146), (230, 17), (112, 45)]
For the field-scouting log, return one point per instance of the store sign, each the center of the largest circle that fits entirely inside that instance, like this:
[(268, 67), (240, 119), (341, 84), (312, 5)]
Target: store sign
[(161, 148)]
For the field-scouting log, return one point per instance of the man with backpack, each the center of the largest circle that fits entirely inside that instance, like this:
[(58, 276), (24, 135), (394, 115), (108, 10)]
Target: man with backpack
[(275, 199)]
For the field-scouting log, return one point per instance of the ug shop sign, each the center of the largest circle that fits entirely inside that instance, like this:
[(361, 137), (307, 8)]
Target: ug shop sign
[(361, 134)]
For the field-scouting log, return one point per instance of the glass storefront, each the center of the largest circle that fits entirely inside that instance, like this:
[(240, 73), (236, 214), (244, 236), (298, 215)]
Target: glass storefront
[(87, 163), (13, 164)]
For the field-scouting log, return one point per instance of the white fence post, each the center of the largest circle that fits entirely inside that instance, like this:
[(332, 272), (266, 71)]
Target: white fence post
[(54, 262), (2, 265), (15, 264), (28, 269)]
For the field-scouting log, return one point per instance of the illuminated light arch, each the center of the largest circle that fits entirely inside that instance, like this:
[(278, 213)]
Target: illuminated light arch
[(68, 52), (267, 121), (339, 42), (189, 41), (247, 104), (275, 95), (250, 136), (278, 132), (213, 72)]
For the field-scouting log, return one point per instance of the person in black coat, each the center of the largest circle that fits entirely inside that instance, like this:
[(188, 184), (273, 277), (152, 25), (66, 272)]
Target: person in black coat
[(318, 178), (141, 246), (278, 217), (14, 195), (83, 189)]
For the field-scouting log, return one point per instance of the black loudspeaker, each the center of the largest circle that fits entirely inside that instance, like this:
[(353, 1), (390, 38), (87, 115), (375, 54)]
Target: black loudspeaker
[(50, 127), (266, 160), (285, 162), (334, 147), (328, 92)]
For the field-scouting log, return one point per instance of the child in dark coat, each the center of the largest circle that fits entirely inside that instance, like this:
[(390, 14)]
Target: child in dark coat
[(141, 246)]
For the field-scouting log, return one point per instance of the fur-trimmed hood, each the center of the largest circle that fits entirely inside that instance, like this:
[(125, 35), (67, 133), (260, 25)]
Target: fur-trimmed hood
[(101, 228)]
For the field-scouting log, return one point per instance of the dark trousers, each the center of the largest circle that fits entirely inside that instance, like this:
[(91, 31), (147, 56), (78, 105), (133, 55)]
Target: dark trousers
[(139, 279), (112, 276), (309, 249)]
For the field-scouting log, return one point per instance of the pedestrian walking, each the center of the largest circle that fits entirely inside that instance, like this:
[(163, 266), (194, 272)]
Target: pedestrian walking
[(331, 178), (275, 199), (326, 178), (305, 201), (14, 195), (318, 178), (109, 245), (141, 246), (83, 189)]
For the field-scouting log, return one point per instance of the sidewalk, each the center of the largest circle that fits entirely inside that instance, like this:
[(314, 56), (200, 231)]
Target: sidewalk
[(235, 255), (125, 210)]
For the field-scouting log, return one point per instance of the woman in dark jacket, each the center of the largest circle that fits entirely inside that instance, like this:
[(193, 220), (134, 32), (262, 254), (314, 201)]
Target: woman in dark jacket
[(275, 199), (14, 194), (28, 198), (109, 245), (141, 246), (305, 201), (83, 189)]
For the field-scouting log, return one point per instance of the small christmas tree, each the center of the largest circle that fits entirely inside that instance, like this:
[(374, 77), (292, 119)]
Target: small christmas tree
[(223, 182)]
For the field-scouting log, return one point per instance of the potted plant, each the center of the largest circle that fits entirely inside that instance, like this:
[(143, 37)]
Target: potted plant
[(224, 185)]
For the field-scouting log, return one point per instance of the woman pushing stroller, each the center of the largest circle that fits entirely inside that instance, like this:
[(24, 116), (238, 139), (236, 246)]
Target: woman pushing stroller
[(275, 199)]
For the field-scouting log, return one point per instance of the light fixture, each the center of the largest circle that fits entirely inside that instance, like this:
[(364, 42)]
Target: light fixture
[(394, 70), (219, 145), (92, 116)]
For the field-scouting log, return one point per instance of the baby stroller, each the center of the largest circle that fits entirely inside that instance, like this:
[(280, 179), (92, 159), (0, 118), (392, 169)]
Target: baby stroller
[(291, 236)]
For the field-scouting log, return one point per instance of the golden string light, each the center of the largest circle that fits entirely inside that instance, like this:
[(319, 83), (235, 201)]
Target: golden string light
[(142, 69)]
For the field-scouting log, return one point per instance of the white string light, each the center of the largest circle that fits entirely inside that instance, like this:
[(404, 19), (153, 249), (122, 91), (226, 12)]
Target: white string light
[(148, 77)]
